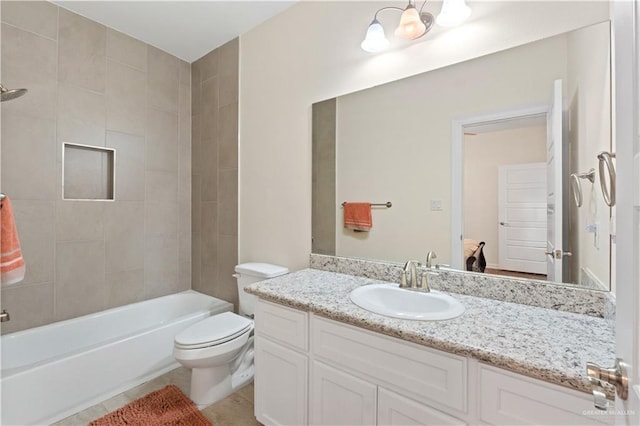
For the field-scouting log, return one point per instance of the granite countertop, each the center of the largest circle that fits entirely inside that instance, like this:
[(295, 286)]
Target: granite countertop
[(546, 344)]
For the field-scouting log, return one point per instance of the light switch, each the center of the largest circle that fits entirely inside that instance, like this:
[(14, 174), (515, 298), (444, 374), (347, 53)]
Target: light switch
[(436, 205)]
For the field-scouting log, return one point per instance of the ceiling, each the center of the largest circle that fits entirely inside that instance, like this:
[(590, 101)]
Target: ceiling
[(186, 29)]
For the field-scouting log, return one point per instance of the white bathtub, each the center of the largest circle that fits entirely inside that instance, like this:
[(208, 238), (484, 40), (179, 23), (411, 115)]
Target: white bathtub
[(53, 371)]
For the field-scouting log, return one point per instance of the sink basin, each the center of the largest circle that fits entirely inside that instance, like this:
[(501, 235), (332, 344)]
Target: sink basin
[(392, 301)]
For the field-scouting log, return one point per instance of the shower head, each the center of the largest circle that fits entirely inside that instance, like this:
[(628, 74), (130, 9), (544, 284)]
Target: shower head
[(7, 95)]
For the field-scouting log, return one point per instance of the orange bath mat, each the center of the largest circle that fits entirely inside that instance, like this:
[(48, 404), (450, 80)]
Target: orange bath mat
[(167, 407)]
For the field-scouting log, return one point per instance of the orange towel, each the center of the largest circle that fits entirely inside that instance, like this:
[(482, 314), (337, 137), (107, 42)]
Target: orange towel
[(357, 216), (12, 266)]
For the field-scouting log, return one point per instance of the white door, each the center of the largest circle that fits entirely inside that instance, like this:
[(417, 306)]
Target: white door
[(625, 24), (554, 253), (522, 219)]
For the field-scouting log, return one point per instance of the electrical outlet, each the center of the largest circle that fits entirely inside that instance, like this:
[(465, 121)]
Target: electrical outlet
[(436, 205)]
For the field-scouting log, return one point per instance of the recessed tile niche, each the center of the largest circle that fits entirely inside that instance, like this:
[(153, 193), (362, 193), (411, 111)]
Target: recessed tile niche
[(88, 172)]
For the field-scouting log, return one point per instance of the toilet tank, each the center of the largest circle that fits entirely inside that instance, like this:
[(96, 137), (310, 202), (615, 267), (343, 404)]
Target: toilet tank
[(247, 273)]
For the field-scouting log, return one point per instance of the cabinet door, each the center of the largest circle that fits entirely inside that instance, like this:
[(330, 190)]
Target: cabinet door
[(280, 384), (396, 410), (338, 398)]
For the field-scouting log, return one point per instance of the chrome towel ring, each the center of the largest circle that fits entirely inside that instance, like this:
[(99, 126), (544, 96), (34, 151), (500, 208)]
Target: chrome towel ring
[(576, 186), (605, 159)]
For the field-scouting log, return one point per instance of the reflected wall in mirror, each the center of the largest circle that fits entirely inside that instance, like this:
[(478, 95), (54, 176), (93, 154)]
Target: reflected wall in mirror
[(434, 144)]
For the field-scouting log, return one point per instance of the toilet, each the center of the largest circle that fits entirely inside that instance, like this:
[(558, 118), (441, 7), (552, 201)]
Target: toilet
[(219, 349)]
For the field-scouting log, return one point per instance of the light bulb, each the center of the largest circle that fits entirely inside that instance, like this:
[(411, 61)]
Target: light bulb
[(375, 41), (410, 26), (454, 12)]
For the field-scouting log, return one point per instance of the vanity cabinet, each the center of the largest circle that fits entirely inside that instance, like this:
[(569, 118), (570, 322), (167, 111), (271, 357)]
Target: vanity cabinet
[(312, 370)]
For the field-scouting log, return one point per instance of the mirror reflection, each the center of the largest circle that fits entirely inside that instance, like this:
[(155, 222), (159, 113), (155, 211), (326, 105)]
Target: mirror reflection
[(480, 151)]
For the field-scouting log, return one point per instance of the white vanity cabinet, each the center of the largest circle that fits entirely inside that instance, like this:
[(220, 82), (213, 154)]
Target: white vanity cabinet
[(281, 362), (312, 370)]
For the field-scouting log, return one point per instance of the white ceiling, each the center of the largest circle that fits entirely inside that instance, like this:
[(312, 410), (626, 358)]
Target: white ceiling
[(186, 29)]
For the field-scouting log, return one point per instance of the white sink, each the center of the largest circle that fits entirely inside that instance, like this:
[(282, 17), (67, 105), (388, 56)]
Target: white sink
[(392, 301)]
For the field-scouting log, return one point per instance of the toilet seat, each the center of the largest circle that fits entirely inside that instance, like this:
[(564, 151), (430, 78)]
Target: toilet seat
[(213, 331)]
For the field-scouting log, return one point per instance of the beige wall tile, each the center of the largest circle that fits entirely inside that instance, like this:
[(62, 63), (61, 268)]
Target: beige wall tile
[(81, 51), (162, 186), (124, 236), (209, 164), (80, 275), (228, 139), (28, 305), (79, 220), (185, 102), (126, 99), (196, 88), (126, 49), (40, 17), (184, 276), (229, 57), (184, 247), (130, 165), (196, 262), (209, 279), (160, 266), (162, 141), (228, 205), (36, 231), (81, 116), (35, 71), (208, 65), (195, 144), (124, 287), (228, 92), (209, 233), (163, 79), (28, 157), (227, 260), (196, 203), (161, 219), (185, 73)]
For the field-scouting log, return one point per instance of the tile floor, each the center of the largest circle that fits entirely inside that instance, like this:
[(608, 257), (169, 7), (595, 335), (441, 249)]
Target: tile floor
[(234, 410)]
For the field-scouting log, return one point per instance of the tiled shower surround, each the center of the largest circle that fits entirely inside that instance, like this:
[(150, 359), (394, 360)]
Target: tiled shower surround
[(215, 172), (89, 84)]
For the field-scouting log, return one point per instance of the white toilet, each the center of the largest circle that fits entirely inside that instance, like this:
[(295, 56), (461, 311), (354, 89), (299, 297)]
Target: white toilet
[(219, 349)]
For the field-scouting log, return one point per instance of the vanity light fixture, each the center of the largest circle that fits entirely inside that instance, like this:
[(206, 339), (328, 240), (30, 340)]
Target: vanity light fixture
[(413, 23)]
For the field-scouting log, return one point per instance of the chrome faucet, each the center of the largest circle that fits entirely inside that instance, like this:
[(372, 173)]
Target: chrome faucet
[(430, 256), (4, 316), (409, 277)]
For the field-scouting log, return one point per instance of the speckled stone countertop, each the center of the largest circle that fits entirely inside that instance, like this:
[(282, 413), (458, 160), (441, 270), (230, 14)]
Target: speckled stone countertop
[(546, 344)]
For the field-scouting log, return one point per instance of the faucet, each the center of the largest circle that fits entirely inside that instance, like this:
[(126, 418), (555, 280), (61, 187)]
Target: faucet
[(431, 255), (409, 277), (4, 316)]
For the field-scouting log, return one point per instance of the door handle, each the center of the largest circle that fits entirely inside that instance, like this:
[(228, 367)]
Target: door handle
[(558, 254), (616, 376)]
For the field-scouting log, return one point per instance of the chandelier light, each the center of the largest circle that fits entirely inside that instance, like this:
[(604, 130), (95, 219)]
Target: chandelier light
[(414, 23)]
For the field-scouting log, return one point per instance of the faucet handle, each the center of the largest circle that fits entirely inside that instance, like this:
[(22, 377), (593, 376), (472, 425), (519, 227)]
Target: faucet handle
[(403, 279)]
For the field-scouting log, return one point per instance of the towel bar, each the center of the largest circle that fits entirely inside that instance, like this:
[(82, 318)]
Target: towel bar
[(387, 204)]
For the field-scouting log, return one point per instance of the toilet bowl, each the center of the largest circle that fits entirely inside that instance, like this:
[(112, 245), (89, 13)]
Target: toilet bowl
[(219, 349)]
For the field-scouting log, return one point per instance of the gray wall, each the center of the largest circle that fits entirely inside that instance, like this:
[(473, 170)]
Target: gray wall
[(215, 172), (92, 85)]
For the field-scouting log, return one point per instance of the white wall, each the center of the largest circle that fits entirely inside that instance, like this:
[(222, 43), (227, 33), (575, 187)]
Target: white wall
[(589, 94), (311, 52)]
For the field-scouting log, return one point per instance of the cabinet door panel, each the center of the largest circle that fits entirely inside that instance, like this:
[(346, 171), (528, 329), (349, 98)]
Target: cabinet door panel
[(282, 324), (280, 384), (397, 410), (507, 398), (337, 398)]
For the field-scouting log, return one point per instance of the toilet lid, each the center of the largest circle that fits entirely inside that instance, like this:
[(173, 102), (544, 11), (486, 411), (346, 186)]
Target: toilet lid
[(214, 330)]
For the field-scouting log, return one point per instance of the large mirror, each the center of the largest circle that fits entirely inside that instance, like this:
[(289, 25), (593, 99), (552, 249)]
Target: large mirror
[(476, 152)]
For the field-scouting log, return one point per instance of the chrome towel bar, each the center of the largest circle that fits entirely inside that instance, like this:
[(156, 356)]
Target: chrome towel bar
[(387, 204)]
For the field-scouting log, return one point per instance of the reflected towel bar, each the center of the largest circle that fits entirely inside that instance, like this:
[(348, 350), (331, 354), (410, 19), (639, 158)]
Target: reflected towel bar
[(387, 204)]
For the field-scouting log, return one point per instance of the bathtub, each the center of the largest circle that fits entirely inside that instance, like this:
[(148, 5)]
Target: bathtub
[(56, 370)]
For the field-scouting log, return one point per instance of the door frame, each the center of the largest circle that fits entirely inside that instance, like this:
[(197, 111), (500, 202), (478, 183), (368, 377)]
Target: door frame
[(457, 151)]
